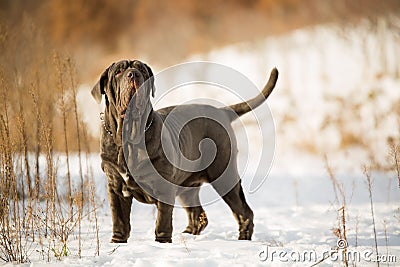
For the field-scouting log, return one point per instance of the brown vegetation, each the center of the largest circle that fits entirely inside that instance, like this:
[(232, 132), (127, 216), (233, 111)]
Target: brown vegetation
[(33, 214), (39, 123), (38, 88)]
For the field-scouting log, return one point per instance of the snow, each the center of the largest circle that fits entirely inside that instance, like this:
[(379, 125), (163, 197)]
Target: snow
[(332, 81), (282, 222)]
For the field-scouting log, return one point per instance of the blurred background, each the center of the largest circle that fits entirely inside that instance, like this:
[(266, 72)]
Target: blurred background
[(165, 32), (338, 61)]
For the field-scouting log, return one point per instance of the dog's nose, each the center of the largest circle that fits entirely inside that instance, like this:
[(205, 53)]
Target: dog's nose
[(133, 74)]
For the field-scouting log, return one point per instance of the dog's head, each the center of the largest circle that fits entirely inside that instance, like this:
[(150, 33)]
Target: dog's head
[(121, 82)]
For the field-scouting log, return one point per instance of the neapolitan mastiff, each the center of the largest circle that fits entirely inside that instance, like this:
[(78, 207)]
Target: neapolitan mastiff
[(141, 166)]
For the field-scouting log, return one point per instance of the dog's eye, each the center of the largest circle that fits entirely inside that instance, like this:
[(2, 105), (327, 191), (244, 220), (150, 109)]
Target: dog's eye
[(118, 72)]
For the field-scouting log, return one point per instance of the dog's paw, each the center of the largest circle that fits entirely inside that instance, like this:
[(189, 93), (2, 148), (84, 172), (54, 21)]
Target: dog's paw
[(114, 240), (164, 239), (195, 227), (188, 230), (245, 235)]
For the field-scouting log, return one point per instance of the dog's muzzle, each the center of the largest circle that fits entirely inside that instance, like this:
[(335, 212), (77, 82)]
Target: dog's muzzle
[(130, 84)]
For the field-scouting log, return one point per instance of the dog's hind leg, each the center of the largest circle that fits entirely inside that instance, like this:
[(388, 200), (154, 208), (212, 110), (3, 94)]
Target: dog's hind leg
[(241, 211), (196, 215)]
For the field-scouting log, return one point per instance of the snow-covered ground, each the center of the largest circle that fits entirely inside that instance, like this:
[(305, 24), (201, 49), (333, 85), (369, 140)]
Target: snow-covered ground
[(280, 225), (337, 95), (295, 215)]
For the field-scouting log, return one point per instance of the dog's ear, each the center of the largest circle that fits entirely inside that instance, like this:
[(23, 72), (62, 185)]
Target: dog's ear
[(98, 89), (151, 80)]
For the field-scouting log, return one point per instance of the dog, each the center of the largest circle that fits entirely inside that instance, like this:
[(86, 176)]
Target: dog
[(139, 165)]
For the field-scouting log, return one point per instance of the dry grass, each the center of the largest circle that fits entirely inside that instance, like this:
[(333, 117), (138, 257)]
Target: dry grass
[(367, 173), (394, 157), (39, 119), (41, 86), (391, 169), (341, 230), (340, 199)]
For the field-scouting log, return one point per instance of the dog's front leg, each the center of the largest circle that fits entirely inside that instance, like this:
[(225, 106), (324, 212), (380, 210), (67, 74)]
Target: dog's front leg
[(120, 212), (164, 223), (120, 208)]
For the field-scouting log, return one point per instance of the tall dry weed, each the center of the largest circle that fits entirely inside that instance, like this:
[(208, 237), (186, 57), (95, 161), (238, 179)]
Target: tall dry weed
[(39, 124)]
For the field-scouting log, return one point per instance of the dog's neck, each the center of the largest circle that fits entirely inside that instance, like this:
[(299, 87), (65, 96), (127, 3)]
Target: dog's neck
[(110, 126)]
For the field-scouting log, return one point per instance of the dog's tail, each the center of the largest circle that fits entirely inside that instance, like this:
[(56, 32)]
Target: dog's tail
[(244, 107)]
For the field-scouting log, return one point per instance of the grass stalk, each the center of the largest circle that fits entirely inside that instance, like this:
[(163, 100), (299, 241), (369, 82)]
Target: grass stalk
[(78, 136), (92, 186), (386, 238), (341, 230), (394, 155), (63, 108), (367, 174)]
